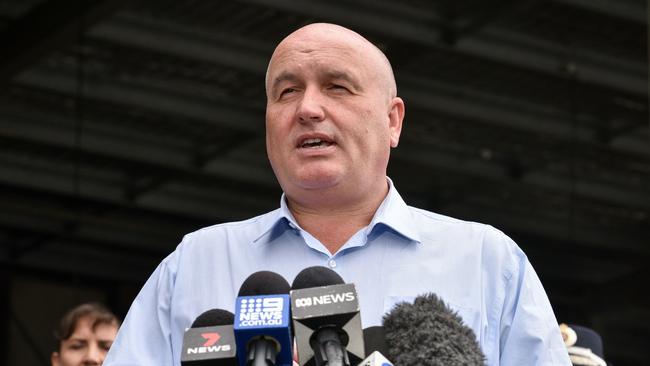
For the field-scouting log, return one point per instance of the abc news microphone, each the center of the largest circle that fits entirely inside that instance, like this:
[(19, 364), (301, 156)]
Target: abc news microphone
[(210, 341), (262, 321), (326, 319), (429, 333)]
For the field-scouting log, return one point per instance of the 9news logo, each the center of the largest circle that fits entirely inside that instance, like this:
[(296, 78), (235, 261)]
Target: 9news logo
[(267, 311)]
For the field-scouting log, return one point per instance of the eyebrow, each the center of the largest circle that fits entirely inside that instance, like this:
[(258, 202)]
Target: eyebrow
[(284, 76), (81, 340), (329, 75), (342, 75)]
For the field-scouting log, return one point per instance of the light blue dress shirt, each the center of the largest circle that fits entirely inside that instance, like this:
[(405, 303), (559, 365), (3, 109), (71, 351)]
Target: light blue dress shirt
[(404, 252)]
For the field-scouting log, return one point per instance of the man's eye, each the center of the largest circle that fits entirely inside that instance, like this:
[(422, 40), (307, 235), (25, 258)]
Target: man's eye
[(338, 87), (287, 91)]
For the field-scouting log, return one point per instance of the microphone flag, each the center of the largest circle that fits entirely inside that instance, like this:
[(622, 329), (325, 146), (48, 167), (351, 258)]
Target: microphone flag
[(264, 318)]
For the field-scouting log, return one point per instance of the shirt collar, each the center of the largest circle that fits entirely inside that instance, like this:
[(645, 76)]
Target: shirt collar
[(277, 221), (395, 214), (392, 213)]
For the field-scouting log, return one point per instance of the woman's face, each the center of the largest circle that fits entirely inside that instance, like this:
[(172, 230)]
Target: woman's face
[(87, 346)]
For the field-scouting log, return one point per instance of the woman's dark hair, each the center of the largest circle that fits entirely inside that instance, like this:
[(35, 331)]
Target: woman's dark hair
[(96, 312)]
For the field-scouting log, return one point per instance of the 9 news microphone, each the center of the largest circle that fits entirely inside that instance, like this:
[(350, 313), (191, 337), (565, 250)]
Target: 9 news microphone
[(210, 341), (326, 319), (429, 333), (262, 321)]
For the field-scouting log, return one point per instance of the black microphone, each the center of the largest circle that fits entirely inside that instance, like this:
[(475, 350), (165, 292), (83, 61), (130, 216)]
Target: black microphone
[(429, 333), (374, 339), (326, 319), (262, 321), (210, 341)]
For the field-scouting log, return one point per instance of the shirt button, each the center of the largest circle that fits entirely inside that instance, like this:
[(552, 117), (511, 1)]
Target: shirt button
[(332, 263)]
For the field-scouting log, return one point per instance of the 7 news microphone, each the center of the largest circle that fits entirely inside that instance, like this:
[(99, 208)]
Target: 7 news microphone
[(210, 341), (262, 323), (326, 319)]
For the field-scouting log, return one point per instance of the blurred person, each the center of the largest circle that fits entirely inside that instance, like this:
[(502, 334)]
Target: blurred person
[(84, 336), (584, 345)]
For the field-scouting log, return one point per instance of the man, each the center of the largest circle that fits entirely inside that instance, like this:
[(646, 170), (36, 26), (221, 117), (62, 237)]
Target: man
[(85, 335), (332, 117)]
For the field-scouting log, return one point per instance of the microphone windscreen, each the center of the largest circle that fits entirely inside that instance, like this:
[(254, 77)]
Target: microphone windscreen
[(263, 321), (264, 283), (213, 318), (374, 339), (210, 341), (316, 276), (429, 333)]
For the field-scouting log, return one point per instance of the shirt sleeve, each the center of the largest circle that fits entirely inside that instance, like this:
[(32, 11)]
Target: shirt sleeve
[(144, 338), (529, 333)]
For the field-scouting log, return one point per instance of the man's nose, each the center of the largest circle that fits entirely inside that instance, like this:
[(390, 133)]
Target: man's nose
[(310, 107)]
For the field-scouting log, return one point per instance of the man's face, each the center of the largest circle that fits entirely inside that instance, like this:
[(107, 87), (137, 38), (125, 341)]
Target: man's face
[(86, 346), (328, 117)]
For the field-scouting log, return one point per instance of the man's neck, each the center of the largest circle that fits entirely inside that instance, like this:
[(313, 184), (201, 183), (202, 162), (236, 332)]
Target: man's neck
[(334, 225)]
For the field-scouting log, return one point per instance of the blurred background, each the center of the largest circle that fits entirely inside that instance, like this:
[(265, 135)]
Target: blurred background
[(126, 124)]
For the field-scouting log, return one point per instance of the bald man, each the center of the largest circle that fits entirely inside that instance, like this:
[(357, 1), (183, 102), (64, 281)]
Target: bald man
[(332, 117)]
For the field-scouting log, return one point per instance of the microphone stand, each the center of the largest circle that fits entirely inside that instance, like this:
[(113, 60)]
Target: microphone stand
[(262, 352), (328, 348)]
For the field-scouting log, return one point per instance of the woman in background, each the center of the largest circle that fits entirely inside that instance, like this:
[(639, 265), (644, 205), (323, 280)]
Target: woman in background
[(84, 336)]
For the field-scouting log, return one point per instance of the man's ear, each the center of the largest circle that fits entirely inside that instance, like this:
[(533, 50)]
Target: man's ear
[(55, 359), (395, 118)]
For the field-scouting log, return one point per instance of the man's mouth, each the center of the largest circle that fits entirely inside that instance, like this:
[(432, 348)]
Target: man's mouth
[(315, 143)]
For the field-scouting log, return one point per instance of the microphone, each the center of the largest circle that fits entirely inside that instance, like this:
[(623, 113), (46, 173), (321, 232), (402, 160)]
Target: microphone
[(210, 340), (374, 339), (262, 321), (326, 319), (429, 333), (375, 359)]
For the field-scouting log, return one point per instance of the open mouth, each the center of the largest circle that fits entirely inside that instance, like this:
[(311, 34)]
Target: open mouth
[(315, 143)]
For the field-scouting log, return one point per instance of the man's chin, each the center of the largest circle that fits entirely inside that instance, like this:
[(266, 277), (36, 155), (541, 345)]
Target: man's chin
[(320, 181), (319, 184)]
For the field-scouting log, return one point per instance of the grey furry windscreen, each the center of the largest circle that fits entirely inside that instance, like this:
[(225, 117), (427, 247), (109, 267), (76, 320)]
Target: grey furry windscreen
[(429, 333)]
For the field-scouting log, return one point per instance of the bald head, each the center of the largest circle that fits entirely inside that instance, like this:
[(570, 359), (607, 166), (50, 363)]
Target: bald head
[(317, 35), (332, 117)]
